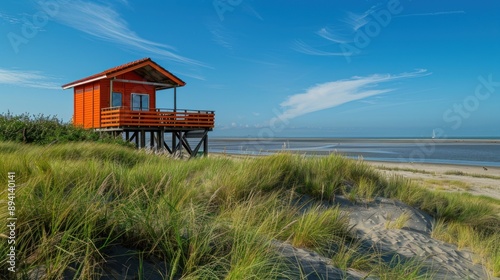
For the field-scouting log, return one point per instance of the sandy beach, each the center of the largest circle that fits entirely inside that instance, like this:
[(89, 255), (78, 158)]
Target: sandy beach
[(476, 180), (415, 240)]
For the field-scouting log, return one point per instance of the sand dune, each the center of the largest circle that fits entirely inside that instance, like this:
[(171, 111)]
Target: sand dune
[(413, 241), (374, 224)]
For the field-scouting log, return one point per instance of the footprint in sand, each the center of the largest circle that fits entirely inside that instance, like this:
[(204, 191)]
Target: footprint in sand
[(438, 250), (438, 259), (464, 255)]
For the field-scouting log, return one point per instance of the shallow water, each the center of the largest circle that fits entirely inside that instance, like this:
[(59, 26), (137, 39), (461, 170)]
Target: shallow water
[(479, 152)]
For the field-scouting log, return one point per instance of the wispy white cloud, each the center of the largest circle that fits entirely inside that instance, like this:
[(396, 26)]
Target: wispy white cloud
[(33, 79), (193, 74), (105, 23), (304, 48), (328, 34), (336, 93), (220, 35), (9, 19), (342, 32), (357, 20), (432, 14), (251, 11)]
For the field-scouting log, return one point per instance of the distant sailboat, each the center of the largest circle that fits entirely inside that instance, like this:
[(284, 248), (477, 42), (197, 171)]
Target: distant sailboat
[(433, 134)]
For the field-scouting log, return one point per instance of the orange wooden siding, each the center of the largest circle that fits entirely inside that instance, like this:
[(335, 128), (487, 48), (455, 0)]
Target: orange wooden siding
[(126, 89), (87, 105), (104, 89), (90, 99), (78, 116), (96, 106), (101, 97)]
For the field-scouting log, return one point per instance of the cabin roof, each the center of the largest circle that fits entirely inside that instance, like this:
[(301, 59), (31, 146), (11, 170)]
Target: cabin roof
[(146, 68)]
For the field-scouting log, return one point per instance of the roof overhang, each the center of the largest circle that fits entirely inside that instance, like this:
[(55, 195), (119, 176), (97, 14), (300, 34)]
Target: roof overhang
[(152, 74), (75, 84)]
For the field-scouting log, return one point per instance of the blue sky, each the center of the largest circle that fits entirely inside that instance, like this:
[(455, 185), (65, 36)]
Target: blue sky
[(272, 68)]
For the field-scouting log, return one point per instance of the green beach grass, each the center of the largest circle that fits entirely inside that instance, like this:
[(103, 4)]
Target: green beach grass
[(212, 217)]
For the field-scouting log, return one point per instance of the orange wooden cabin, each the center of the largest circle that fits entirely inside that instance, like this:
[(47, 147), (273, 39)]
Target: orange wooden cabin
[(123, 100)]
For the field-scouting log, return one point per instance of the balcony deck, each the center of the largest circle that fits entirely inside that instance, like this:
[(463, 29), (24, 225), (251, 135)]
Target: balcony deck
[(167, 119)]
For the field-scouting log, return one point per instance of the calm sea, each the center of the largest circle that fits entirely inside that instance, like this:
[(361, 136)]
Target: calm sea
[(480, 152)]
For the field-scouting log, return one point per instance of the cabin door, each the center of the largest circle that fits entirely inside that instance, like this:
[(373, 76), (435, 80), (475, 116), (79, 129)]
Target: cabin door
[(140, 102)]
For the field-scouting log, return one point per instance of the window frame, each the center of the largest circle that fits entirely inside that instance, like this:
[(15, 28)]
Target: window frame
[(114, 98), (141, 102)]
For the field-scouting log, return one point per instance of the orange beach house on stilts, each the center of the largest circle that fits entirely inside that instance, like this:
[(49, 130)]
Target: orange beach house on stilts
[(122, 100)]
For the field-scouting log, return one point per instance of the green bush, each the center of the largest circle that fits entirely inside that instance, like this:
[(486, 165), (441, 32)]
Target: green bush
[(41, 129)]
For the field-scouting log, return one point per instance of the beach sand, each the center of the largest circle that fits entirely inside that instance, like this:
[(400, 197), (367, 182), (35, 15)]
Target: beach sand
[(413, 241), (475, 180), (369, 220)]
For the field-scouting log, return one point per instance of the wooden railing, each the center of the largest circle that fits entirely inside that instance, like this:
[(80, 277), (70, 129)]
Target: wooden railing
[(124, 117)]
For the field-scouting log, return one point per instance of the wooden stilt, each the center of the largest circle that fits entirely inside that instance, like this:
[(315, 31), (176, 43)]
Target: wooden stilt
[(174, 141), (181, 139), (159, 140), (205, 145), (197, 148), (152, 140), (185, 144), (165, 145), (143, 138)]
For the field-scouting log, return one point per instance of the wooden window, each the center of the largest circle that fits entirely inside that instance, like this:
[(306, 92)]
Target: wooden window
[(140, 102), (117, 99)]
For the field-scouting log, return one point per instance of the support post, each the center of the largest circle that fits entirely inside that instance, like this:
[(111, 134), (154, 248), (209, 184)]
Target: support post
[(174, 142), (152, 139), (202, 142), (159, 142), (136, 139), (183, 140), (165, 146), (175, 98), (205, 145), (143, 138), (111, 93)]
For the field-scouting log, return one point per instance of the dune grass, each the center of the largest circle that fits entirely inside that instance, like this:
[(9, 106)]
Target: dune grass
[(445, 184), (412, 170), (476, 216), (206, 218), (476, 175), (397, 223)]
